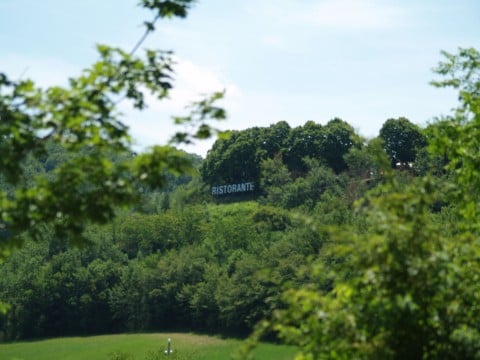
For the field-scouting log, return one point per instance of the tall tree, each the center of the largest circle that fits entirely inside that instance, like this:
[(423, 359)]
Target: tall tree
[(235, 159), (239, 157), (338, 137), (304, 141), (402, 139)]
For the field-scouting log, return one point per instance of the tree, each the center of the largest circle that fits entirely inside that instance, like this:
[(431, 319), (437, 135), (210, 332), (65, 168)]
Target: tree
[(304, 141), (456, 137), (274, 177), (274, 139), (239, 157), (402, 140), (338, 137), (365, 162), (83, 119), (232, 160)]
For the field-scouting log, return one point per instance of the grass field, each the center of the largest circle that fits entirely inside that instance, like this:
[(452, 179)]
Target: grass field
[(136, 347)]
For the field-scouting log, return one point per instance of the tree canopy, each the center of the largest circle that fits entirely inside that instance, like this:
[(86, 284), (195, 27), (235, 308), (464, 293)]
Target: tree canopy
[(402, 140), (239, 157)]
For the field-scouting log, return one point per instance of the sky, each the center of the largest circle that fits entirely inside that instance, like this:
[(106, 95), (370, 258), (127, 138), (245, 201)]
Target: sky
[(364, 61)]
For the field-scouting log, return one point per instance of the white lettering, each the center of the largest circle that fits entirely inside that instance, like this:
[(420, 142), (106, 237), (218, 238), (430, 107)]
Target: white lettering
[(233, 188)]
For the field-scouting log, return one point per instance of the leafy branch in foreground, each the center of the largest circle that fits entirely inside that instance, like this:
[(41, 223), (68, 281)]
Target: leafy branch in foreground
[(196, 124), (457, 137), (101, 172), (406, 287)]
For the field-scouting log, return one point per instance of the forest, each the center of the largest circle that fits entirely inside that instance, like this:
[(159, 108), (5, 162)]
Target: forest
[(346, 247), (182, 258)]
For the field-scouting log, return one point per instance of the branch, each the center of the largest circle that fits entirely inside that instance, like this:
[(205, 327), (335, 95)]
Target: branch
[(150, 28)]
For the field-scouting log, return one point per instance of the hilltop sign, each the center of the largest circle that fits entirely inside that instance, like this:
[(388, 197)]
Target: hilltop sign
[(233, 188)]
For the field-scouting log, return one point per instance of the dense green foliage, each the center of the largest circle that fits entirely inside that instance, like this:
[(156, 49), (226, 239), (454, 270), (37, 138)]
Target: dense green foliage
[(178, 263), (178, 260), (344, 253), (239, 157)]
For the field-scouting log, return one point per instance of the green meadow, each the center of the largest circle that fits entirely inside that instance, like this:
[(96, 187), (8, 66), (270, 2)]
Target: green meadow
[(136, 347)]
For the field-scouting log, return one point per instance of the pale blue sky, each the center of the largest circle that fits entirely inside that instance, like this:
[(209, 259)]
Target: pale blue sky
[(295, 60)]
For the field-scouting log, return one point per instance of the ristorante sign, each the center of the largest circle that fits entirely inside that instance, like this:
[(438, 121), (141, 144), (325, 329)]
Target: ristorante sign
[(233, 188)]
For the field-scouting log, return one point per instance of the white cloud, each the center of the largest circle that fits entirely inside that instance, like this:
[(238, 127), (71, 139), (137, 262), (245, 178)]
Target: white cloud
[(337, 14), (192, 82)]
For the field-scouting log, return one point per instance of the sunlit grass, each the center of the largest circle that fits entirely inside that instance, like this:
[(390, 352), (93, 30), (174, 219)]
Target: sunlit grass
[(136, 347)]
